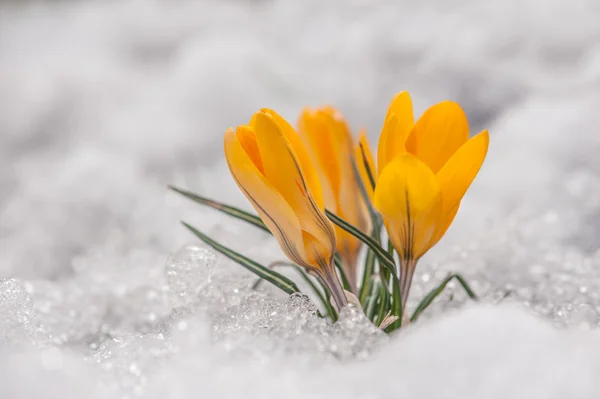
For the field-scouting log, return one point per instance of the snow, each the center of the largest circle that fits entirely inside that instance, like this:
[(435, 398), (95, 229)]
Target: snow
[(103, 294)]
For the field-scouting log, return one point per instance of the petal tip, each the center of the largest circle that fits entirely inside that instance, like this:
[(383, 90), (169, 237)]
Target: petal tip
[(401, 95), (229, 135)]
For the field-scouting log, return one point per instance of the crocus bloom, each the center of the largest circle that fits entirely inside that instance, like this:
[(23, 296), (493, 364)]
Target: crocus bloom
[(272, 167), (330, 143), (424, 171)]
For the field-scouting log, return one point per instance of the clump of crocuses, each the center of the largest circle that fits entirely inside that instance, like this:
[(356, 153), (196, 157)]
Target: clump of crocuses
[(318, 191)]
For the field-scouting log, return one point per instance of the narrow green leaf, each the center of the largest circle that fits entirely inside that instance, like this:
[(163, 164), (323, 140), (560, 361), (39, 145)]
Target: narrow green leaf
[(397, 305), (430, 297), (227, 209), (385, 275), (469, 291), (375, 217), (370, 173), (371, 307), (369, 268), (384, 303), (261, 271), (367, 280), (381, 253), (340, 267)]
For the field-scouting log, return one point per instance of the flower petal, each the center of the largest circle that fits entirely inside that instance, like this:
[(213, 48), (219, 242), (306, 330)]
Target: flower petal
[(456, 175), (437, 135), (317, 254), (309, 172), (398, 123), (272, 208), (284, 172), (330, 141), (314, 129), (247, 138), (349, 201), (408, 197)]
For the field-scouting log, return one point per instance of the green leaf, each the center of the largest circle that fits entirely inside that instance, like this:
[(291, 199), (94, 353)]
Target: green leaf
[(384, 303), (375, 218), (308, 280), (370, 173), (385, 273), (369, 269), (397, 305), (227, 209), (371, 306), (429, 298), (367, 280), (261, 271), (385, 258)]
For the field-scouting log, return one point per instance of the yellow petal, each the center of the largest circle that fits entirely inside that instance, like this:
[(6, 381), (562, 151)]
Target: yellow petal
[(324, 268), (247, 138), (456, 175), (349, 201), (353, 208), (437, 135), (314, 128), (272, 208), (409, 199), (364, 155), (317, 254), (283, 171), (398, 123), (309, 172), (401, 105), (330, 142)]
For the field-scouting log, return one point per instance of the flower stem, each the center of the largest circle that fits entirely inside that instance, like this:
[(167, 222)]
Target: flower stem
[(332, 282), (407, 270)]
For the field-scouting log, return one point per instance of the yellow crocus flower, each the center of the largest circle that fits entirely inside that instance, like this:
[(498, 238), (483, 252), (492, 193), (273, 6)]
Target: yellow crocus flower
[(330, 143), (273, 168), (425, 168)]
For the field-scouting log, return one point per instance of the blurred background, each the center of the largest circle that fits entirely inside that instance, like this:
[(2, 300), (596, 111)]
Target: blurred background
[(104, 103)]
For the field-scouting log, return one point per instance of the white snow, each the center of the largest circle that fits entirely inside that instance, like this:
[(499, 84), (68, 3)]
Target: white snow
[(104, 103)]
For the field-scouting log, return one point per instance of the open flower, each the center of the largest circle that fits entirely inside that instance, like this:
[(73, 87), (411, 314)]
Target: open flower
[(331, 146), (424, 169), (272, 167)]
